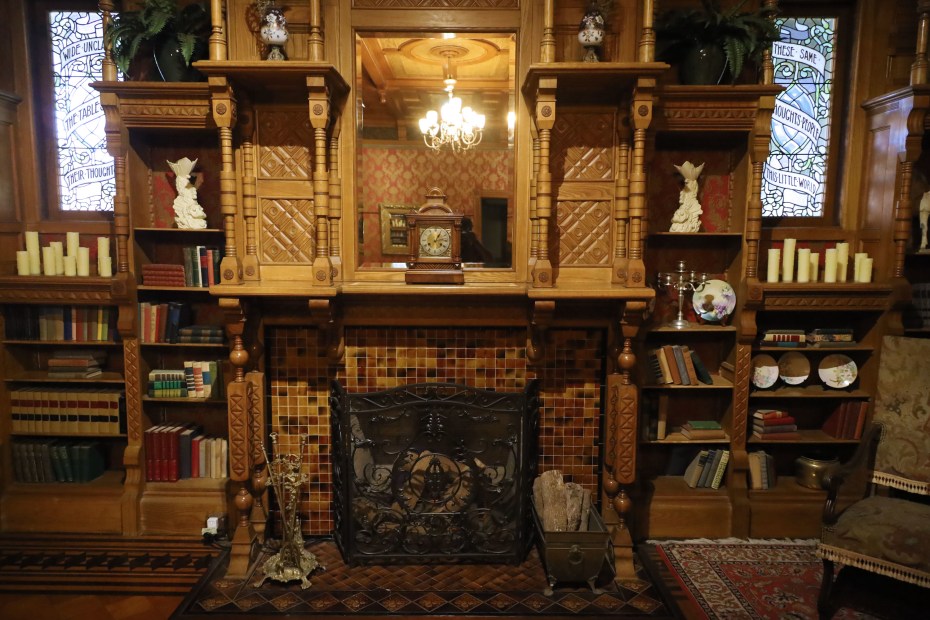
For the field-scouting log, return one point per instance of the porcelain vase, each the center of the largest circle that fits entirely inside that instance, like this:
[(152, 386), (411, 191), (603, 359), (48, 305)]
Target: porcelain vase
[(591, 34), (273, 33)]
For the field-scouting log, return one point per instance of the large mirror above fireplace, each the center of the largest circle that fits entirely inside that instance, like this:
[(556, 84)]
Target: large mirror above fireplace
[(420, 99)]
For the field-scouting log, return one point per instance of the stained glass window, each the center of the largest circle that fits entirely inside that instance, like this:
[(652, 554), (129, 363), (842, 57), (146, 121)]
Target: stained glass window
[(85, 169), (794, 179)]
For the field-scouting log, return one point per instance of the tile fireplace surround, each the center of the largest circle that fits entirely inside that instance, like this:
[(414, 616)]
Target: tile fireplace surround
[(571, 376)]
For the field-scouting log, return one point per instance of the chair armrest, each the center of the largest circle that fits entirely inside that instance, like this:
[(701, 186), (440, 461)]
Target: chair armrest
[(838, 474)]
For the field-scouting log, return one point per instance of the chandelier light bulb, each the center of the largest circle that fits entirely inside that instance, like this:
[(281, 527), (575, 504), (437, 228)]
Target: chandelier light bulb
[(455, 126)]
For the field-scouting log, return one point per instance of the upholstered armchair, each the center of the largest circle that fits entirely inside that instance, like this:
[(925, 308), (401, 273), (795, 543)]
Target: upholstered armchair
[(886, 532)]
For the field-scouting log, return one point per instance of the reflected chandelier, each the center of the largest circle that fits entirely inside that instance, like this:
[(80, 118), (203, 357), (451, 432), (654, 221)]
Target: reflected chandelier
[(459, 128)]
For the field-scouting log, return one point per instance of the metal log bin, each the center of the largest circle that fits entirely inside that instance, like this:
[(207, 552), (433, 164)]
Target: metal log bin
[(576, 557)]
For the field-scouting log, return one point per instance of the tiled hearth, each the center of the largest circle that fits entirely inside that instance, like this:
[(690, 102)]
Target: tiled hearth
[(379, 358)]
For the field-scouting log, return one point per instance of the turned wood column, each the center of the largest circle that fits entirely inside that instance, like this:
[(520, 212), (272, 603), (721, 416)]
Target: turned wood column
[(641, 115), (224, 115), (218, 30), (647, 38), (335, 206), (315, 37), (919, 66), (240, 440), (534, 217), (251, 266), (618, 273), (109, 67), (319, 120), (255, 395), (545, 120), (619, 465)]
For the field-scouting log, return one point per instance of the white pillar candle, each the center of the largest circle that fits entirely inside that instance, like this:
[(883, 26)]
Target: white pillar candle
[(787, 261), (815, 265), (105, 267), (48, 260), (22, 262), (59, 251), (829, 266), (32, 247), (857, 261), (774, 264), (70, 265), (804, 264), (73, 240), (865, 270), (842, 260), (83, 262), (103, 247)]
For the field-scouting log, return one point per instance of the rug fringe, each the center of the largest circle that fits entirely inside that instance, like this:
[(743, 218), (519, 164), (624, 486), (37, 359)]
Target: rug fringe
[(735, 541)]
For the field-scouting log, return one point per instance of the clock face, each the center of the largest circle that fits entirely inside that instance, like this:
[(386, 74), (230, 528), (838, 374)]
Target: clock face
[(435, 241)]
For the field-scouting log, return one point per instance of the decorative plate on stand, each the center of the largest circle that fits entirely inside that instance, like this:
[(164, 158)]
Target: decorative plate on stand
[(714, 301), (837, 370)]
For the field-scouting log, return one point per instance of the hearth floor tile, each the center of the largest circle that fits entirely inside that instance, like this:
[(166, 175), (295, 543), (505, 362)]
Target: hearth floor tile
[(462, 590)]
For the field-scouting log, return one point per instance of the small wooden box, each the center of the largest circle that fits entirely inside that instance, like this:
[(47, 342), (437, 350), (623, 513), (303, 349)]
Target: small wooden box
[(576, 557)]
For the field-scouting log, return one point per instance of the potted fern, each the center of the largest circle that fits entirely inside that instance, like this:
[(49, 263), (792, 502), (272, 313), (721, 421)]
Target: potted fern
[(175, 36), (711, 42)]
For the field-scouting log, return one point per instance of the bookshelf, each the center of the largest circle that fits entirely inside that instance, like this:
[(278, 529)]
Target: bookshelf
[(64, 440)]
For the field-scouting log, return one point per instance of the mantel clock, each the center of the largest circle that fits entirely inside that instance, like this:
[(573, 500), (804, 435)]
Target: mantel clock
[(434, 236)]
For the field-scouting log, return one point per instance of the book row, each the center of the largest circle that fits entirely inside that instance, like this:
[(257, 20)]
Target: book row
[(76, 363), (774, 424), (678, 365), (826, 337), (201, 268), (42, 411), (57, 461), (848, 420), (761, 470), (180, 452), (65, 323), (707, 468), (198, 379), (171, 322)]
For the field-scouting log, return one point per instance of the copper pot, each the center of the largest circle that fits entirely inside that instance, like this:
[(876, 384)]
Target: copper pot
[(809, 472)]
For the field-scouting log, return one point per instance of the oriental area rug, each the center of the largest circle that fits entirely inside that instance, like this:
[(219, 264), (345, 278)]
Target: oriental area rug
[(768, 579), (103, 565), (425, 591)]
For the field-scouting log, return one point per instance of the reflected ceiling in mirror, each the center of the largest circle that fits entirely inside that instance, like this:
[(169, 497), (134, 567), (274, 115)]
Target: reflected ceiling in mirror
[(400, 79)]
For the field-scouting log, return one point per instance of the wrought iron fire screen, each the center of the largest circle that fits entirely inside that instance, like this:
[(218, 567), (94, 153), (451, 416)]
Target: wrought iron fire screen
[(433, 472)]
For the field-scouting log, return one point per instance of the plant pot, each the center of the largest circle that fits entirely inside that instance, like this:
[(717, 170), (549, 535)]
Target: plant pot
[(702, 64), (171, 64)]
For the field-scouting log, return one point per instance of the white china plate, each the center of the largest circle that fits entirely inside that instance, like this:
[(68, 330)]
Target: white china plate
[(837, 370), (794, 368), (714, 301), (764, 371)]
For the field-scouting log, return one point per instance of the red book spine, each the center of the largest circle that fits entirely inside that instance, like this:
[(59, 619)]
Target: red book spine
[(174, 442)]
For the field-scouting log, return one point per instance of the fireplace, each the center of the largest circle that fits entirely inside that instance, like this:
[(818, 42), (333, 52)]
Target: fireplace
[(433, 472)]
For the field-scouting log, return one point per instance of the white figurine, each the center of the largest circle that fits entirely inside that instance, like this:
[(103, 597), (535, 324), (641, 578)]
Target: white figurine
[(924, 214), (188, 213), (686, 218)]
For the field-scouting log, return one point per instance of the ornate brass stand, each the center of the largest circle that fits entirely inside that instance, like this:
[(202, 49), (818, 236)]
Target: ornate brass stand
[(292, 561)]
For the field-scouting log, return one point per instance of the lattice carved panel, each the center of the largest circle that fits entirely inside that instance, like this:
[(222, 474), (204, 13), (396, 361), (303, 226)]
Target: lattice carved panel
[(285, 139), (582, 147), (741, 397), (583, 233), (287, 232), (133, 396)]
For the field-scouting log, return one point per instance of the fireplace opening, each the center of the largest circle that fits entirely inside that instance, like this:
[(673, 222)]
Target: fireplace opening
[(433, 472)]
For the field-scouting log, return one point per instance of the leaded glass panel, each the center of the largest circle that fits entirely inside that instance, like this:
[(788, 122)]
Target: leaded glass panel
[(86, 178), (794, 180)]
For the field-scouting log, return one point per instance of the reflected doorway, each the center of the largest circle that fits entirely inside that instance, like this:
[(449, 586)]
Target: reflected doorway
[(491, 228)]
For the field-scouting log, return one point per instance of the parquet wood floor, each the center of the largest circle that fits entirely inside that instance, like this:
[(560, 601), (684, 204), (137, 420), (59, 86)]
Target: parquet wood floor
[(86, 607)]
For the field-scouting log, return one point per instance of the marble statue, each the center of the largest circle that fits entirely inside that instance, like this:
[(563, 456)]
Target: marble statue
[(686, 217), (188, 213), (924, 215)]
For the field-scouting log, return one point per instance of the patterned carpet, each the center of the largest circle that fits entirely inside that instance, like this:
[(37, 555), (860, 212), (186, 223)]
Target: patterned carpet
[(473, 591), (761, 579), (100, 565)]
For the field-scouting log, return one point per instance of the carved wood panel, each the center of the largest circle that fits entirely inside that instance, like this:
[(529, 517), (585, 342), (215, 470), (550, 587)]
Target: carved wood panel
[(286, 231), (284, 138), (582, 146), (582, 233)]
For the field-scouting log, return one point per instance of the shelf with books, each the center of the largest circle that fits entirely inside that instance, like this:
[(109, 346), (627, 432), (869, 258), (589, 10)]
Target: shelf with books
[(40, 376)]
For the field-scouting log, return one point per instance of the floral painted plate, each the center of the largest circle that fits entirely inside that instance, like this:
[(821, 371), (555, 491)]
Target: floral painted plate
[(714, 301), (764, 371), (838, 370), (794, 368)]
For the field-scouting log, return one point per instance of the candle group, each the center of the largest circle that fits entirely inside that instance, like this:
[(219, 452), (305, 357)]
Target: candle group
[(786, 264), (66, 258)]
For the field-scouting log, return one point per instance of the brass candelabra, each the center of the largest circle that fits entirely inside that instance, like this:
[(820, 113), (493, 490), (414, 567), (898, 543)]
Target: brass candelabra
[(681, 280)]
